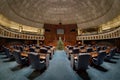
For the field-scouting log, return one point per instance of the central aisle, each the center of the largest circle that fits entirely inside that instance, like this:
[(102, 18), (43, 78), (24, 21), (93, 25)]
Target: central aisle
[(59, 69)]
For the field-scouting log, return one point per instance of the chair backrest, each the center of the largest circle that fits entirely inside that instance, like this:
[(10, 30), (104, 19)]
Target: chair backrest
[(16, 54), (101, 57), (103, 47), (81, 47), (43, 50), (48, 47), (67, 46), (7, 52), (89, 50), (51, 46), (98, 49), (75, 51), (31, 50), (70, 47), (21, 48), (34, 60), (37, 47), (76, 46), (83, 60), (112, 52)]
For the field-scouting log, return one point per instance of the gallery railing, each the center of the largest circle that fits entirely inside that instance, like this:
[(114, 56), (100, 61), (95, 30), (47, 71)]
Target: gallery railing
[(11, 34), (108, 35)]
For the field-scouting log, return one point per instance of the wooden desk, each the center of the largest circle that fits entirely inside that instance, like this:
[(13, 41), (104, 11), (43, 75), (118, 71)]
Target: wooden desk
[(41, 55), (94, 54), (83, 50)]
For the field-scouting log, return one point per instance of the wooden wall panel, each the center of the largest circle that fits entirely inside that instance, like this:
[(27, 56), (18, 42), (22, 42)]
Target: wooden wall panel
[(69, 36), (117, 42)]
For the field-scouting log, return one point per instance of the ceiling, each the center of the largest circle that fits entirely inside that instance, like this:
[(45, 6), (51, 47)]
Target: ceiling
[(85, 13)]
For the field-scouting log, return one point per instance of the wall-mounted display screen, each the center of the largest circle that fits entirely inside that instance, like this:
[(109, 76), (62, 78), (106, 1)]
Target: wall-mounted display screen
[(60, 31)]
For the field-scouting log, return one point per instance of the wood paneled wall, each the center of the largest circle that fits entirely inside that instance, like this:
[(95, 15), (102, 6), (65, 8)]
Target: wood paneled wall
[(9, 41), (69, 36), (117, 42)]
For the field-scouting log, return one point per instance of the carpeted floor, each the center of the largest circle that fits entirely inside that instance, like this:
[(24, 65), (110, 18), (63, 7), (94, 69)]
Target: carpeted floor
[(59, 69)]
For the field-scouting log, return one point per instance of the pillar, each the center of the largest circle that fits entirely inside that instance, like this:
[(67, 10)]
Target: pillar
[(82, 42), (38, 42)]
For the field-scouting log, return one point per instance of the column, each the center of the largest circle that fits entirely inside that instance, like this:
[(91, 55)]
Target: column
[(82, 42), (38, 42)]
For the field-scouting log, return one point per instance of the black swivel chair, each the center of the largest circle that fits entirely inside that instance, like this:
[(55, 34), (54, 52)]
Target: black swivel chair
[(81, 47), (35, 61), (75, 51), (48, 47), (100, 58), (19, 59), (82, 61), (98, 49), (8, 54), (43, 50), (31, 49), (21, 48), (70, 47), (111, 54), (89, 50)]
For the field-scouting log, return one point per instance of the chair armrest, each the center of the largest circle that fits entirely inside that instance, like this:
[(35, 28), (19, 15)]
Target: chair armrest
[(47, 60), (67, 53), (52, 52), (95, 59)]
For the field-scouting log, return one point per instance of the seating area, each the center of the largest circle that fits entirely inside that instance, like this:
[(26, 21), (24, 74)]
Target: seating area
[(80, 68), (81, 57), (78, 59)]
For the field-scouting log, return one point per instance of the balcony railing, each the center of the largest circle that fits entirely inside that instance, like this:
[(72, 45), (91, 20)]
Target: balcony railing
[(108, 35), (11, 34)]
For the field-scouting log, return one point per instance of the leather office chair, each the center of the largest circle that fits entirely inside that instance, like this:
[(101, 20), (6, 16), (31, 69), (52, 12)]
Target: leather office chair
[(70, 47), (21, 48), (75, 51), (100, 58), (89, 50), (48, 47), (7, 53), (43, 50), (81, 47), (36, 63), (31, 50), (111, 54), (19, 59), (82, 61), (98, 49)]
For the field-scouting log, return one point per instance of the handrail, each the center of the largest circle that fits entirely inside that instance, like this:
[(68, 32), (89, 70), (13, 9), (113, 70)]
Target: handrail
[(10, 34), (17, 31), (108, 35)]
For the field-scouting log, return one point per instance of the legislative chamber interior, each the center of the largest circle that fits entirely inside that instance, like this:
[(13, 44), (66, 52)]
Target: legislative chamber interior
[(59, 39)]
